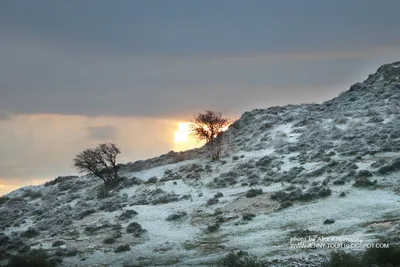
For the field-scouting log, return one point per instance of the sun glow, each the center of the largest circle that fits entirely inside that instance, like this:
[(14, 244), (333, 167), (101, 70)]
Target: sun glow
[(183, 132)]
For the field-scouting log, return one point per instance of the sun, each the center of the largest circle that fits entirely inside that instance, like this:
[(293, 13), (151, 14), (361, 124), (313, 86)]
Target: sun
[(183, 132)]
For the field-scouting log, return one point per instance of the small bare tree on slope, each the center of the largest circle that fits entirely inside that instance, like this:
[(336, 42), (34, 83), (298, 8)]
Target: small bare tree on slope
[(100, 162), (209, 127)]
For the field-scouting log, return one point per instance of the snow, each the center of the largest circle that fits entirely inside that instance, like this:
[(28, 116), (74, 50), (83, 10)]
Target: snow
[(187, 242), (349, 212)]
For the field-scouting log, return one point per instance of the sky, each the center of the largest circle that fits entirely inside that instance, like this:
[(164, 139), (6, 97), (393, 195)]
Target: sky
[(77, 73)]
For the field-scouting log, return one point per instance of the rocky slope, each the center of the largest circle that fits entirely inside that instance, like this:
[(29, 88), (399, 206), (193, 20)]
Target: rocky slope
[(299, 171)]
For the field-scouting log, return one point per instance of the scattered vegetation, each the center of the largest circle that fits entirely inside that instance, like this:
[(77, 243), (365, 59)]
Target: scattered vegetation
[(364, 182), (33, 258), (31, 232), (391, 167), (239, 259), (372, 257), (32, 194), (100, 162), (3, 200)]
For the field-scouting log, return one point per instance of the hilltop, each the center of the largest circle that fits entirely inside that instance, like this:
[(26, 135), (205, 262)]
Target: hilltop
[(322, 170)]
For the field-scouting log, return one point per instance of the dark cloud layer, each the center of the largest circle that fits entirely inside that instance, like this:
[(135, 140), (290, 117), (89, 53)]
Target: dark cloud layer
[(168, 58)]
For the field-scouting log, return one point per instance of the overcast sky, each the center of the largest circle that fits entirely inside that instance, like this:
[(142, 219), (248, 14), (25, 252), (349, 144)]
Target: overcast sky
[(165, 60)]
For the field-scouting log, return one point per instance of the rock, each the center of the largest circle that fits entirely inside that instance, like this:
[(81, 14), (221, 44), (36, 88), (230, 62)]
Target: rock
[(343, 194)]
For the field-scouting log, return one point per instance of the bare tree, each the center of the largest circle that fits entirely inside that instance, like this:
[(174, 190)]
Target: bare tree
[(208, 127), (100, 162)]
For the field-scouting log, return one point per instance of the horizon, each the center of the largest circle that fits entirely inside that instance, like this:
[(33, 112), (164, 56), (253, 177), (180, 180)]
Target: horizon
[(76, 74)]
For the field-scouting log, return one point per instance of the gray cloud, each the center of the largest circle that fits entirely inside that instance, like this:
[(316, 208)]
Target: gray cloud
[(176, 58), (187, 27), (107, 132), (41, 78)]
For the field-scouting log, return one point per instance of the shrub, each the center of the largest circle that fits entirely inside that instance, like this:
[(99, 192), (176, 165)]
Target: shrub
[(109, 240), (213, 228), (33, 194), (212, 201), (343, 259), (3, 200), (85, 213), (248, 216), (372, 257), (364, 182), (58, 243), (31, 232), (254, 192), (239, 259), (176, 216), (122, 248), (127, 214), (341, 120), (135, 229), (34, 258), (382, 256), (392, 167), (91, 229)]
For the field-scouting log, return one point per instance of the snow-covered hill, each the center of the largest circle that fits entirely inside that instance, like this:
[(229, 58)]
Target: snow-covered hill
[(314, 170)]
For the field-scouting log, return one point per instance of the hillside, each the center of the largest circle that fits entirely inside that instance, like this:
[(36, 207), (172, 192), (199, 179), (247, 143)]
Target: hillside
[(321, 170)]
